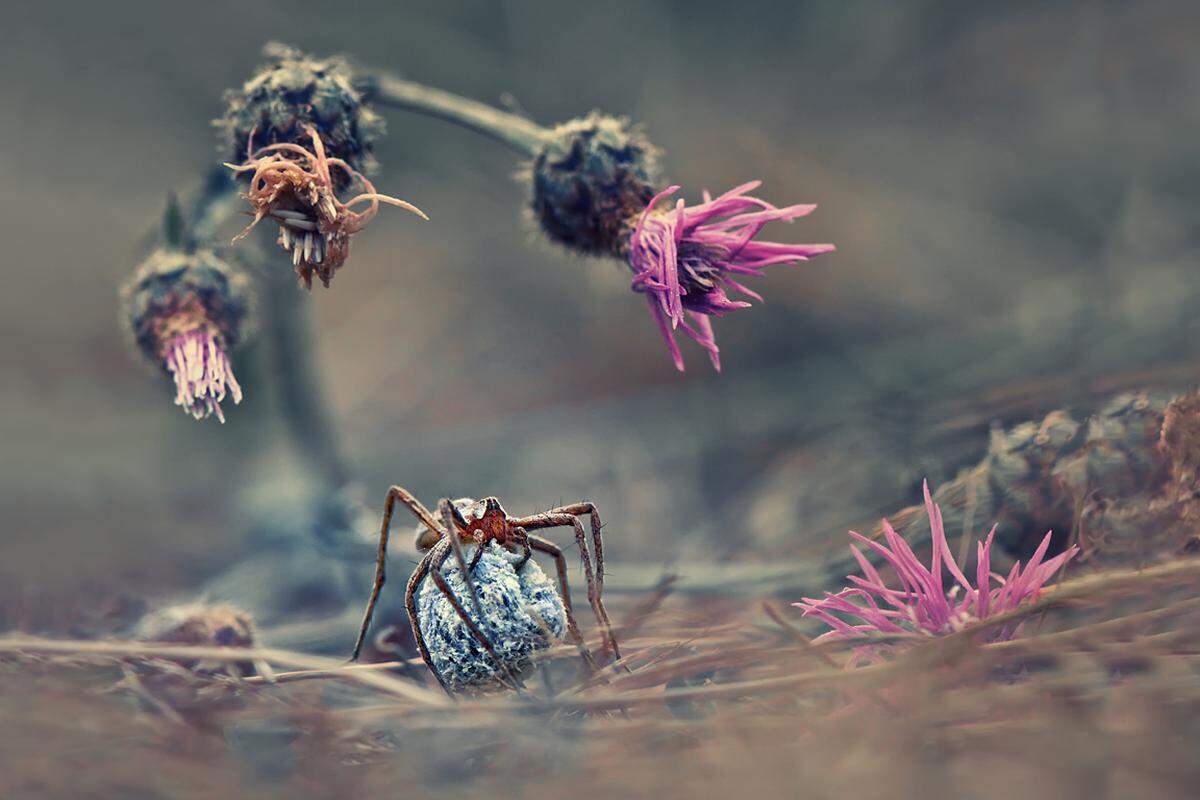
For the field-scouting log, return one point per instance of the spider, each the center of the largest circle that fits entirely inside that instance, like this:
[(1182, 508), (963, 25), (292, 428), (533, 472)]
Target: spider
[(484, 522)]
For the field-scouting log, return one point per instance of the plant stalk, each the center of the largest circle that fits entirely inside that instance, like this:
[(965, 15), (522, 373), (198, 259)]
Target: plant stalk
[(520, 134), (287, 328)]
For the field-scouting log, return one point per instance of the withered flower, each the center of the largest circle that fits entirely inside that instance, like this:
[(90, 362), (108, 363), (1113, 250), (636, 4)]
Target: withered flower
[(201, 624), (294, 186)]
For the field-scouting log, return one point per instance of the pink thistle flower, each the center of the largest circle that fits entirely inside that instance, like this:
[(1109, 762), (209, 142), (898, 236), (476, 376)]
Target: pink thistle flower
[(924, 606), (200, 367), (686, 260)]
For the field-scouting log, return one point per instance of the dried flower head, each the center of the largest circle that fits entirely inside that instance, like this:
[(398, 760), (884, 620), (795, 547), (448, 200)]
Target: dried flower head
[(686, 258), (923, 605), (198, 624), (592, 176), (515, 605), (201, 625), (186, 311), (292, 90), (295, 187), (1179, 442)]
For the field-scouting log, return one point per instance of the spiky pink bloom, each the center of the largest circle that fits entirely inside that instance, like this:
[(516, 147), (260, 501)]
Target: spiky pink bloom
[(202, 373), (924, 606), (687, 258)]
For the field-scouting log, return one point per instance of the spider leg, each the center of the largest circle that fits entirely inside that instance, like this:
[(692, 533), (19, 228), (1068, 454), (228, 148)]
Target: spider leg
[(389, 506), (556, 519), (593, 513), (410, 603), (560, 562), (446, 507), (521, 538), (443, 550), (478, 553)]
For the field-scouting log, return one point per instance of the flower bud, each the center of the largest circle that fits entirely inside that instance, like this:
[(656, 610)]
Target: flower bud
[(292, 90), (185, 312), (591, 180)]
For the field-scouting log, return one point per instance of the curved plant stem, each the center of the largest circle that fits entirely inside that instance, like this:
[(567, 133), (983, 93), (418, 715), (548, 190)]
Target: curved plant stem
[(302, 403), (218, 201), (520, 134), (287, 329)]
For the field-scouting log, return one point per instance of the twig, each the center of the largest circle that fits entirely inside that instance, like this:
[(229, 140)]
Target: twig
[(132, 684), (655, 695), (384, 683), (647, 608), (1084, 587), (798, 637), (1082, 635), (335, 672)]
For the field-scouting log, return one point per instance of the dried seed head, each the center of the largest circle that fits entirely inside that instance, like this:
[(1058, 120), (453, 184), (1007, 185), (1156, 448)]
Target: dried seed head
[(185, 311), (591, 180), (200, 625), (510, 600), (1179, 441), (292, 90)]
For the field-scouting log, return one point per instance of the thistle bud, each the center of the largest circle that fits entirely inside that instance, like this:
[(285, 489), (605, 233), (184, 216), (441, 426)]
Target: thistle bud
[(185, 312), (591, 180), (596, 190), (293, 90)]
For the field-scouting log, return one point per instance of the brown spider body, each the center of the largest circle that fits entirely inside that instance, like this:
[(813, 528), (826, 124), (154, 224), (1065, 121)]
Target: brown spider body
[(476, 522), (479, 523)]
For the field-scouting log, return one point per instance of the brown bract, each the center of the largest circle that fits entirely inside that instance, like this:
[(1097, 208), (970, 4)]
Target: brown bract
[(294, 187)]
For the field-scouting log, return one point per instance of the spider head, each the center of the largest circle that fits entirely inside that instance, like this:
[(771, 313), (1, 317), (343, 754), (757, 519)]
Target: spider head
[(486, 517)]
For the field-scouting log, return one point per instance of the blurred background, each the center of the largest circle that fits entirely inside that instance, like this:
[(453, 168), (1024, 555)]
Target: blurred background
[(1012, 189)]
